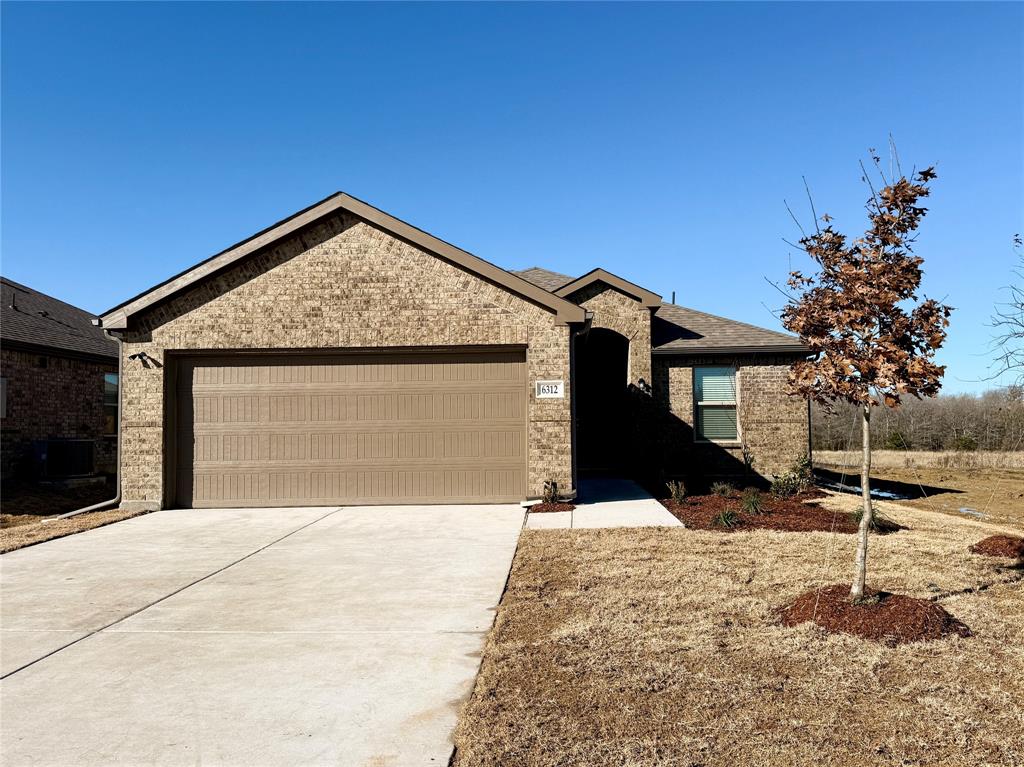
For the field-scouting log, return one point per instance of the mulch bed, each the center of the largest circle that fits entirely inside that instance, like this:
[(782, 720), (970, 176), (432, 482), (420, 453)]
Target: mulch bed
[(542, 508), (882, 617), (1009, 546), (791, 514)]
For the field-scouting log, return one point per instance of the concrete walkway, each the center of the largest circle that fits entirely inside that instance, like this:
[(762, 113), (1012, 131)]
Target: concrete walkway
[(230, 637), (608, 503)]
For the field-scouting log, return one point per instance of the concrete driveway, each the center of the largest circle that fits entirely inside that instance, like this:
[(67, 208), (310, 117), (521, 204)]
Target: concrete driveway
[(250, 637)]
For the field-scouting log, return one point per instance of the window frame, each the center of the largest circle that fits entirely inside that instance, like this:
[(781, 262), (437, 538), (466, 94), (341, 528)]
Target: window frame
[(734, 405)]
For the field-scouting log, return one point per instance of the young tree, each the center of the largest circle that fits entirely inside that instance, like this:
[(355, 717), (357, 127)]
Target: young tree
[(873, 340)]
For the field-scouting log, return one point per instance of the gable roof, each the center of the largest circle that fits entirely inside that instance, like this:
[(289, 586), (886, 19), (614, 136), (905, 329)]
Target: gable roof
[(29, 318), (566, 312), (680, 330), (644, 296)]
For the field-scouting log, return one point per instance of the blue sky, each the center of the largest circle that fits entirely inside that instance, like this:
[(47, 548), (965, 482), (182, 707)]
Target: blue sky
[(658, 141)]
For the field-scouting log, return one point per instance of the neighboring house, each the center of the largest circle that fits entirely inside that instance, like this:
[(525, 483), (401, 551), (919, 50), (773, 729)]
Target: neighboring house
[(344, 356), (58, 388)]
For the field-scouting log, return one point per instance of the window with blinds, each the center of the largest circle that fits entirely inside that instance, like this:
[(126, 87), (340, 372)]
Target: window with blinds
[(714, 391)]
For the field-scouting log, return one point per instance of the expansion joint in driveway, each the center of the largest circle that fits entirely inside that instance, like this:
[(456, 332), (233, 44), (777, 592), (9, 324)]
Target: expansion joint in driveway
[(173, 593)]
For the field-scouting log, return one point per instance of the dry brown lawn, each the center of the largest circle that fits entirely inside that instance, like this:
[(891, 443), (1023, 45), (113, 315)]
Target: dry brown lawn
[(660, 646), (19, 531)]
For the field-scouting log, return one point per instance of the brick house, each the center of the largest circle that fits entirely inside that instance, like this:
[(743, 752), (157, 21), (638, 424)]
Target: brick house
[(58, 388), (344, 356)]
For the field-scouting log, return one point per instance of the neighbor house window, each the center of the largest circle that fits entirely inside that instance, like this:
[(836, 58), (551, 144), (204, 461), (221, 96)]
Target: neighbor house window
[(110, 403), (715, 394)]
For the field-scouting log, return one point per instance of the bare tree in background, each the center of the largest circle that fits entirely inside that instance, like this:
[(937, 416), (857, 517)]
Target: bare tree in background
[(1008, 321), (873, 341)]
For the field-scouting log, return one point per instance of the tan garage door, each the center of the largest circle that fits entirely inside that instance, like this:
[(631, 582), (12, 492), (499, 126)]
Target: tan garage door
[(367, 429)]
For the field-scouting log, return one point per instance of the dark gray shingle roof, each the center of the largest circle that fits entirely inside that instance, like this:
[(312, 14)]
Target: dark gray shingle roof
[(680, 329), (543, 278), (30, 317)]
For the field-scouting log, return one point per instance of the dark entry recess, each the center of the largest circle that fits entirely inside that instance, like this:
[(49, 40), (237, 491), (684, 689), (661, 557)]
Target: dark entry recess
[(602, 407)]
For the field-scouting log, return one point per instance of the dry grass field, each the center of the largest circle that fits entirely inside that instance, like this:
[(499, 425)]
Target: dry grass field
[(987, 482), (933, 459), (661, 646)]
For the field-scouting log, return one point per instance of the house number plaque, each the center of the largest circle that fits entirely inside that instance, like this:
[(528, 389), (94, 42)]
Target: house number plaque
[(550, 389)]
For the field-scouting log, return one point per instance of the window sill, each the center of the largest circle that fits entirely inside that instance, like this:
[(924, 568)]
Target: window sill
[(719, 443)]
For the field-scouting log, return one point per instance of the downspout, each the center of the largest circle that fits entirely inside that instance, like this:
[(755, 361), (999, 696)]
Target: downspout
[(120, 398)]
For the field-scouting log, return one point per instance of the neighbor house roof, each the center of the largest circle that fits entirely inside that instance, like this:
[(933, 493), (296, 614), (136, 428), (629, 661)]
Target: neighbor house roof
[(566, 311), (35, 320), (680, 330)]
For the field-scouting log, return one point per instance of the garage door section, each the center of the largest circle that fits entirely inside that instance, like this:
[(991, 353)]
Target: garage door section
[(367, 429)]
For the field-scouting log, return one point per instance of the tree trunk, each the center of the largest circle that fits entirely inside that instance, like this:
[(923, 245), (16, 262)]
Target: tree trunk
[(861, 567)]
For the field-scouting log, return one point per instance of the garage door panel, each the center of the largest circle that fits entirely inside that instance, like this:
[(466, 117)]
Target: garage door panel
[(213, 449), (446, 427)]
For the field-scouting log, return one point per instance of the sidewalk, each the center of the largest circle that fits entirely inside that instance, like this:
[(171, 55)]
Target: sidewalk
[(607, 503)]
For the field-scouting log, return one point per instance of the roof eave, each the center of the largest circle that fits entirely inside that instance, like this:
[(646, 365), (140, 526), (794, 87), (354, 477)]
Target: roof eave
[(706, 351), (565, 311), (59, 351)]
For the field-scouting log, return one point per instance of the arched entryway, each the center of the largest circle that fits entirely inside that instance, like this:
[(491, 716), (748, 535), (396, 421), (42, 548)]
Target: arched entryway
[(601, 379)]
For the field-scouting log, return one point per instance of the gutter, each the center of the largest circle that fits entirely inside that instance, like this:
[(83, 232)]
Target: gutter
[(709, 351), (120, 399)]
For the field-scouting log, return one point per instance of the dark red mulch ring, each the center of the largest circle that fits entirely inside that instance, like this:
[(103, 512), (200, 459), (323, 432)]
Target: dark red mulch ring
[(787, 514), (1000, 546), (891, 619), (542, 508)]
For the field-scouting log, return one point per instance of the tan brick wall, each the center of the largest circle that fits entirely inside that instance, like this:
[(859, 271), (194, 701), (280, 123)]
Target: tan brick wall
[(616, 311), (773, 425), (344, 284), (50, 396)]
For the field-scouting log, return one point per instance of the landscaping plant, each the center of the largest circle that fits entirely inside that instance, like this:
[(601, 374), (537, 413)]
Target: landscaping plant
[(786, 485), (677, 490), (723, 489), (751, 501), (873, 340), (726, 518)]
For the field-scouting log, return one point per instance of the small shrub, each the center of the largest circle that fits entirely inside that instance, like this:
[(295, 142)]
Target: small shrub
[(723, 489), (550, 492), (804, 469), (726, 518), (786, 485), (677, 490), (965, 443), (751, 501)]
